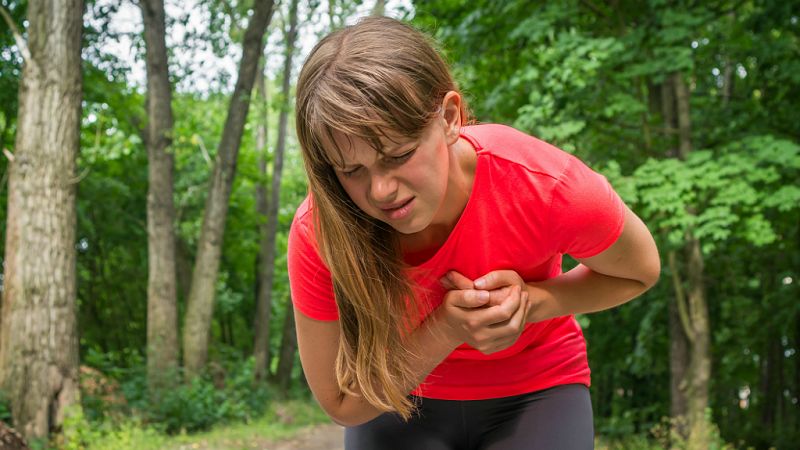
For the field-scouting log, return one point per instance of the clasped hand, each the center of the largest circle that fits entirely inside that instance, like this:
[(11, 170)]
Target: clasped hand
[(490, 313)]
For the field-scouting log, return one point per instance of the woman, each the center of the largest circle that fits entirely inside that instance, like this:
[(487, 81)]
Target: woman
[(425, 265)]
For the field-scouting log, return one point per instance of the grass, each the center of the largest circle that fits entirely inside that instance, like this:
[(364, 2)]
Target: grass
[(282, 420)]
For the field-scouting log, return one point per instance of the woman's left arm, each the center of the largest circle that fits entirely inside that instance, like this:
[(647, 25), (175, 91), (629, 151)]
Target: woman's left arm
[(622, 272)]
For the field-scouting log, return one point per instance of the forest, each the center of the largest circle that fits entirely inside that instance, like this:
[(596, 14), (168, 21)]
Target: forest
[(150, 173)]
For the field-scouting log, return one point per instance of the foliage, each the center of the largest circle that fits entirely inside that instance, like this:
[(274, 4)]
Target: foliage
[(5, 408), (225, 393), (588, 77), (280, 420)]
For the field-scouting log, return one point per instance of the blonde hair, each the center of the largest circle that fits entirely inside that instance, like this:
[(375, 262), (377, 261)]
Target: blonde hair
[(373, 80)]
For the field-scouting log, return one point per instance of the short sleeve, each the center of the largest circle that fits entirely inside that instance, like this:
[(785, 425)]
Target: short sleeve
[(586, 214), (309, 278)]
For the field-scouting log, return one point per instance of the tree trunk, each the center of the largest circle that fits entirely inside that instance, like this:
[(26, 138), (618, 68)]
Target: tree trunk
[(38, 340), (283, 375), (261, 325), (162, 316), (200, 305), (379, 9), (678, 323), (266, 271), (678, 350), (700, 333), (700, 351)]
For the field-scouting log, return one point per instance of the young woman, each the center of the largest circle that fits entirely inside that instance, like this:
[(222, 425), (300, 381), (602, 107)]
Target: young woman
[(425, 264)]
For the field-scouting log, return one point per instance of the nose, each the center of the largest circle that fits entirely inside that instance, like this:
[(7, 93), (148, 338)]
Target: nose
[(383, 187)]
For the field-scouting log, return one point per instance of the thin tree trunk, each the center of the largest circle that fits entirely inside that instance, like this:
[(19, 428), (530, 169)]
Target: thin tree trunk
[(379, 9), (700, 351), (38, 332), (262, 320), (678, 349), (200, 307), (162, 315), (267, 255), (700, 335), (678, 318), (283, 376)]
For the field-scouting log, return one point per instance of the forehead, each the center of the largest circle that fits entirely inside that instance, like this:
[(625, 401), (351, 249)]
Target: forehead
[(348, 149)]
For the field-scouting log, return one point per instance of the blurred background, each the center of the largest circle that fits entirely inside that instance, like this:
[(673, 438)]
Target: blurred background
[(150, 173)]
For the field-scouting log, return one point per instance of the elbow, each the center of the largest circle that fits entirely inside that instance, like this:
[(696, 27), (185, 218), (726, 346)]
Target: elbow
[(651, 273), (347, 422), (347, 417)]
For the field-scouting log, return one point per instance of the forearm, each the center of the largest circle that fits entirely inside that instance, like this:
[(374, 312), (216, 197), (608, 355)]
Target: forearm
[(579, 291), (430, 344)]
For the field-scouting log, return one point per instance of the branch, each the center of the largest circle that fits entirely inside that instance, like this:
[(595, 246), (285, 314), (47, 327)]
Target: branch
[(680, 297), (20, 41)]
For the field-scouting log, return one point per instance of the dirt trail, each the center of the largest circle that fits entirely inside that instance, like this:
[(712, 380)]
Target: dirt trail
[(321, 437)]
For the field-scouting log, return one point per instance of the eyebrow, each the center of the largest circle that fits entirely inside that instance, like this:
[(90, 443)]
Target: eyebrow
[(383, 153)]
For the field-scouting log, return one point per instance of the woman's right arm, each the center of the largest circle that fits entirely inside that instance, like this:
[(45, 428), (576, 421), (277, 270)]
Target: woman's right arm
[(318, 342), (462, 317)]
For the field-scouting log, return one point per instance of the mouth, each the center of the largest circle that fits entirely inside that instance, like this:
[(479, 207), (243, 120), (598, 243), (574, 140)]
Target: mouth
[(398, 210)]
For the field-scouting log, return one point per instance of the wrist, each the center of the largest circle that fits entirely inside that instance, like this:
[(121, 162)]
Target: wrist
[(544, 305), (436, 329)]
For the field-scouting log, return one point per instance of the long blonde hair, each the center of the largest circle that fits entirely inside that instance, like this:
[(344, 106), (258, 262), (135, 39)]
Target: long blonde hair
[(371, 80)]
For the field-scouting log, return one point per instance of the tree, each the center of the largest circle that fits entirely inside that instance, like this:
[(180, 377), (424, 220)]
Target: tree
[(162, 312), (38, 334), (200, 304), (266, 272)]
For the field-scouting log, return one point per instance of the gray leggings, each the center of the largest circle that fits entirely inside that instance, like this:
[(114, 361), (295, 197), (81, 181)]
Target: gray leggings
[(559, 418)]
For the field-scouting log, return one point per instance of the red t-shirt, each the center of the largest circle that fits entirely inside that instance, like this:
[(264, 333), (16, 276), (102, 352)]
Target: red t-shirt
[(530, 203)]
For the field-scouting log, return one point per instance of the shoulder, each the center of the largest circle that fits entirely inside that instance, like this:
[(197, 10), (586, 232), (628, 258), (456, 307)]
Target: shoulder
[(507, 145), (301, 233)]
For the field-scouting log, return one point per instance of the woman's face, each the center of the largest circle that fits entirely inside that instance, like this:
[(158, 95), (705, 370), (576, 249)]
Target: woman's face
[(405, 186)]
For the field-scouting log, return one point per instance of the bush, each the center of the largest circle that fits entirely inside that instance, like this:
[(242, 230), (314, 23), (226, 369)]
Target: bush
[(226, 393)]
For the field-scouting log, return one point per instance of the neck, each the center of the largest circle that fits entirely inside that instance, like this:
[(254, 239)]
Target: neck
[(419, 247)]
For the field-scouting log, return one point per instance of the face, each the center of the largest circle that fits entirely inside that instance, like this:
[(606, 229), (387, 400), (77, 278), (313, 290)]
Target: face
[(405, 186)]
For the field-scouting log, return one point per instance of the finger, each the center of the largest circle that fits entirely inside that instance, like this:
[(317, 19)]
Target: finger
[(454, 280), (498, 296), (504, 311), (497, 279), (468, 298)]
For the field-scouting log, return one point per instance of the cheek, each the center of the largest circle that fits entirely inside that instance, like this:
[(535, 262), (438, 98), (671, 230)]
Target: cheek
[(353, 190)]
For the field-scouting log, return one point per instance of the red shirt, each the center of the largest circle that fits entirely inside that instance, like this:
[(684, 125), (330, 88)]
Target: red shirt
[(530, 203)]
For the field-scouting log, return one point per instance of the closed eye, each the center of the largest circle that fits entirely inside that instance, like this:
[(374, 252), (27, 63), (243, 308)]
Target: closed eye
[(352, 172), (402, 158)]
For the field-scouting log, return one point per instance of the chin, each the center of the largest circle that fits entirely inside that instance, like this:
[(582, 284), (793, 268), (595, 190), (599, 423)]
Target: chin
[(409, 229)]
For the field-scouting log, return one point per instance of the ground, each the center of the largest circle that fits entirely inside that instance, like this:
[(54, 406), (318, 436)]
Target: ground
[(328, 437)]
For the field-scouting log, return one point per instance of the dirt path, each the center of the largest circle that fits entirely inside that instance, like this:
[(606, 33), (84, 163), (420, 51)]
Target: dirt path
[(321, 437)]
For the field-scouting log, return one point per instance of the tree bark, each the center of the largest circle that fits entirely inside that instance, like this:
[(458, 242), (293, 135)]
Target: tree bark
[(261, 324), (266, 273), (678, 323), (699, 373), (38, 333), (678, 350), (162, 315), (379, 8), (283, 376), (200, 305)]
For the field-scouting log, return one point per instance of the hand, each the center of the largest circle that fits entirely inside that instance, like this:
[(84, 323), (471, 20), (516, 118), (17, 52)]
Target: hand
[(542, 305), (487, 320)]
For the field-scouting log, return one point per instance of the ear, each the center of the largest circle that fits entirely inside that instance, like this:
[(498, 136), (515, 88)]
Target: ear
[(451, 116)]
